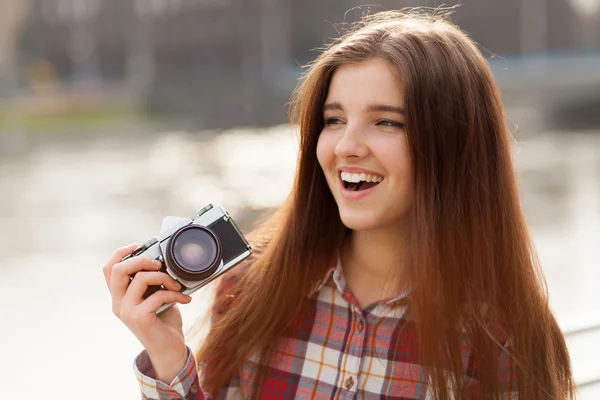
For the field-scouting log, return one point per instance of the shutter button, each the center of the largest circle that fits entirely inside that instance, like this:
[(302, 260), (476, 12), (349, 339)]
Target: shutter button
[(349, 383), (360, 326)]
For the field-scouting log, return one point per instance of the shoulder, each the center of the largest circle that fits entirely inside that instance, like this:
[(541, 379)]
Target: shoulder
[(228, 285), (226, 282)]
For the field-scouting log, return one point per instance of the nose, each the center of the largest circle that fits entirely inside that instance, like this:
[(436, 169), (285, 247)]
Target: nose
[(352, 143)]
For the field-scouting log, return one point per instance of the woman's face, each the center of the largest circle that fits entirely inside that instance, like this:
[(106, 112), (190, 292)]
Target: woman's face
[(362, 148)]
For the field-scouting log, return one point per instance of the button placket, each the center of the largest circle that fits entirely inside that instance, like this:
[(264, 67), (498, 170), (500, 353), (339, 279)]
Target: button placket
[(356, 349)]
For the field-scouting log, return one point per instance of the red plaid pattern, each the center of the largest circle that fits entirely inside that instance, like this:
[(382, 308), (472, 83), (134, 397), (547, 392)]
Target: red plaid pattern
[(334, 350)]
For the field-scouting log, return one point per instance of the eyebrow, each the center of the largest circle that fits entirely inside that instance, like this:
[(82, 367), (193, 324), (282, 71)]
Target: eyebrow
[(371, 108)]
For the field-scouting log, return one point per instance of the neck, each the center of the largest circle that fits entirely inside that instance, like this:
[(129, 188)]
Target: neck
[(371, 261)]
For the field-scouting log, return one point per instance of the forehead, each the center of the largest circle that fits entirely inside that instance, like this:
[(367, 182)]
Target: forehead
[(367, 82)]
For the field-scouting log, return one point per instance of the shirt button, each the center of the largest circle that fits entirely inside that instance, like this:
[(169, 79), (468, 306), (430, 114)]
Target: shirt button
[(360, 326), (349, 383), (194, 388)]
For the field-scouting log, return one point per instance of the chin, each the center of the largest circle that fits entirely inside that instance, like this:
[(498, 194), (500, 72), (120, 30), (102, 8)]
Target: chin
[(360, 221), (363, 219)]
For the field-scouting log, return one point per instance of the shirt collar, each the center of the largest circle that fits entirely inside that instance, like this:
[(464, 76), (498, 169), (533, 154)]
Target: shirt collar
[(333, 266), (336, 273)]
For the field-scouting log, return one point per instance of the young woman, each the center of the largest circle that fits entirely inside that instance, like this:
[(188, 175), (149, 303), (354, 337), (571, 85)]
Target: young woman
[(400, 267)]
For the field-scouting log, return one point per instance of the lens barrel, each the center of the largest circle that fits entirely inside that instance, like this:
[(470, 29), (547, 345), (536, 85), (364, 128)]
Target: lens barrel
[(193, 252)]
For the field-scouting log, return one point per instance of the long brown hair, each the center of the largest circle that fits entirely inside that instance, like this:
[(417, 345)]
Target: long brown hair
[(470, 258)]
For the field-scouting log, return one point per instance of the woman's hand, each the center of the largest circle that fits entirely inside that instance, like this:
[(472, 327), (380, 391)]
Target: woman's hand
[(161, 336)]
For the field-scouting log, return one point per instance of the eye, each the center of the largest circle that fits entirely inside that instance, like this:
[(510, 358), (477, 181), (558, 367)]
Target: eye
[(333, 121), (393, 124)]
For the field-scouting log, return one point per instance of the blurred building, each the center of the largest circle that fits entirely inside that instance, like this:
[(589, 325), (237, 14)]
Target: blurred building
[(235, 62)]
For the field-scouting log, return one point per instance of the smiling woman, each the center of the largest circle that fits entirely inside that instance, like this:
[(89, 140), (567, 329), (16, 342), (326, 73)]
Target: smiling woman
[(400, 267), (364, 136)]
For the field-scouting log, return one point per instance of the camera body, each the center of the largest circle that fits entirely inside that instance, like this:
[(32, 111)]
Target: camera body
[(195, 251)]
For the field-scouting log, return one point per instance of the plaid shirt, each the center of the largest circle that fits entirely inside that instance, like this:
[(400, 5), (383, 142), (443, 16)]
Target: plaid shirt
[(336, 350)]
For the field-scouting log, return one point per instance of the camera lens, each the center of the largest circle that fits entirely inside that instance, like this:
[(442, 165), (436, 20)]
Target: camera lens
[(194, 252)]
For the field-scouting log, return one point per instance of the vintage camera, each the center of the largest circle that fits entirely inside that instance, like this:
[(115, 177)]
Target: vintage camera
[(195, 251)]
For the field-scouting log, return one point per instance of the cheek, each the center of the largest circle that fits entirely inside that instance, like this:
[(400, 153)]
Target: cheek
[(395, 158), (325, 151)]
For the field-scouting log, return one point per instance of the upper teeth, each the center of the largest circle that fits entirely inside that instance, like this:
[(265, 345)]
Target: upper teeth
[(349, 177)]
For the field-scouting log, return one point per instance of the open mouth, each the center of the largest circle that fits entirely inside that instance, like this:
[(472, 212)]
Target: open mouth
[(358, 182), (358, 186)]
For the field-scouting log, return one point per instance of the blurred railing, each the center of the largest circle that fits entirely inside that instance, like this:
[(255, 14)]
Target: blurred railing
[(579, 331), (569, 334)]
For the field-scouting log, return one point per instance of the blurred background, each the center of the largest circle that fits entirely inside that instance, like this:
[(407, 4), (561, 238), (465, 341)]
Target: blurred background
[(116, 113)]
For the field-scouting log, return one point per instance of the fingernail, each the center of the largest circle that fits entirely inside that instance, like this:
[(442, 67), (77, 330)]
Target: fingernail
[(157, 263), (188, 297)]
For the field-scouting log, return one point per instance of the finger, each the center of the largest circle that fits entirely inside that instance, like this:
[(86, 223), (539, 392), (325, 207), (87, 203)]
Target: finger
[(153, 303), (115, 258), (120, 274), (142, 280)]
